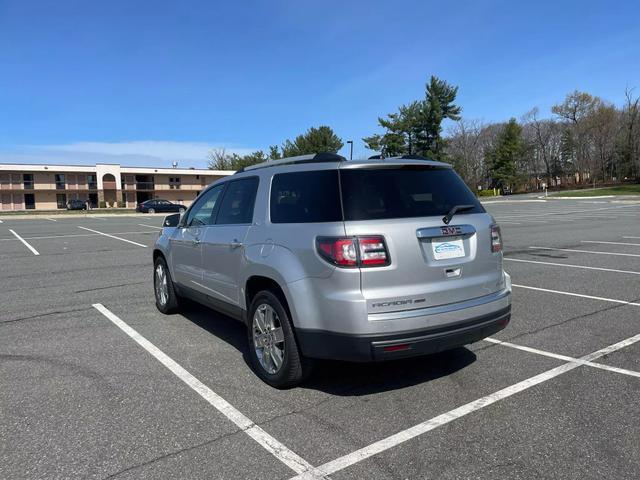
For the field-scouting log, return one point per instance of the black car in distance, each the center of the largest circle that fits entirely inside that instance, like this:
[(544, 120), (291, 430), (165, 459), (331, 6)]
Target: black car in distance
[(76, 205), (159, 205)]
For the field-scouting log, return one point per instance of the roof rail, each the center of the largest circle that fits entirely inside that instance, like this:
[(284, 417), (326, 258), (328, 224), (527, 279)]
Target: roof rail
[(401, 157), (412, 157), (310, 158)]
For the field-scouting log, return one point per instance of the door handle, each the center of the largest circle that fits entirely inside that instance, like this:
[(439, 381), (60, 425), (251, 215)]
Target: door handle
[(235, 243)]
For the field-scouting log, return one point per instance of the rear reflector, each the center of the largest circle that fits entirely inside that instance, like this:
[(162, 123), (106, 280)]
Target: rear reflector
[(369, 251), (397, 348)]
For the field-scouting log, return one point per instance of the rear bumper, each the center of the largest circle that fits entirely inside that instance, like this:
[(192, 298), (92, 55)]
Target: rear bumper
[(379, 347)]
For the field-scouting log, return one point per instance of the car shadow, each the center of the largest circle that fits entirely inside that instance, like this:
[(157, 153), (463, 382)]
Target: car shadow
[(342, 378), (357, 379)]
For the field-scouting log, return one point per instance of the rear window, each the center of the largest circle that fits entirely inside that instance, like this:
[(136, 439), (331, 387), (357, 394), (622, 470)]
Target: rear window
[(370, 194), (305, 197)]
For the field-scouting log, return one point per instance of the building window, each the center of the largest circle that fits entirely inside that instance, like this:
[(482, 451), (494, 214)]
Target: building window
[(92, 183), (174, 182), (27, 178), (29, 201), (61, 200), (60, 181)]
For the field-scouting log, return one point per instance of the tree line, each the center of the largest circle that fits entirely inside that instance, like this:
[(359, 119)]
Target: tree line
[(584, 139), (314, 140)]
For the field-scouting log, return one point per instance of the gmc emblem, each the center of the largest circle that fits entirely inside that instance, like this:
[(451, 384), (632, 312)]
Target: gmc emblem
[(451, 230)]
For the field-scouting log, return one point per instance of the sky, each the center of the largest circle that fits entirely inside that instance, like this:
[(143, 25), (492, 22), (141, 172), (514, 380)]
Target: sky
[(146, 83)]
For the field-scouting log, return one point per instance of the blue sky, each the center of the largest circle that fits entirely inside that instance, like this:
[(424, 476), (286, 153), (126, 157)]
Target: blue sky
[(143, 83)]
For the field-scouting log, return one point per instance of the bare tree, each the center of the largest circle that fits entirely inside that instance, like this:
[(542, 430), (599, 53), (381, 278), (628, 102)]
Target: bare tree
[(545, 138), (219, 159), (630, 133), (575, 110)]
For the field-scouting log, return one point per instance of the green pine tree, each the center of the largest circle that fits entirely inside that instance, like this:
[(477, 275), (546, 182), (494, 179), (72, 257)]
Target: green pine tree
[(504, 158), (314, 140)]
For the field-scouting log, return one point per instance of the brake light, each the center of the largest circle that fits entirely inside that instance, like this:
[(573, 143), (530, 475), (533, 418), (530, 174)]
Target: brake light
[(369, 251), (496, 239)]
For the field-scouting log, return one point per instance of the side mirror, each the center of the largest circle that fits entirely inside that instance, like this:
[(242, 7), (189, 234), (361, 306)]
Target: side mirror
[(171, 220)]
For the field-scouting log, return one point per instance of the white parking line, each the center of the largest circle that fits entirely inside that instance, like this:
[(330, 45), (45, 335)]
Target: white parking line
[(544, 353), (74, 235), (571, 266), (586, 251), (629, 237), (559, 292), (273, 446), (33, 250), (150, 226), (609, 243), (51, 219), (424, 427), (113, 236)]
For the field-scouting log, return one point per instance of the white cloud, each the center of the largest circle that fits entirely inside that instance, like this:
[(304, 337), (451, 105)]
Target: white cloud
[(137, 153)]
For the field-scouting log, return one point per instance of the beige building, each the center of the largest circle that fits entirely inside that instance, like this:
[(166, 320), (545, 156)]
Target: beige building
[(50, 187)]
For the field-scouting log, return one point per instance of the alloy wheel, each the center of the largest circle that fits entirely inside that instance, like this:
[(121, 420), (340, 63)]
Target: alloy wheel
[(268, 338), (161, 286)]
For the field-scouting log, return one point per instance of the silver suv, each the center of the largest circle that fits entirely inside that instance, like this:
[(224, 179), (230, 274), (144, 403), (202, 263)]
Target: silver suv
[(326, 258)]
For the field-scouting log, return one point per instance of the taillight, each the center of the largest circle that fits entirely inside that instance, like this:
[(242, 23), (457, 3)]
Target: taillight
[(373, 251), (496, 239), (339, 251), (369, 251)]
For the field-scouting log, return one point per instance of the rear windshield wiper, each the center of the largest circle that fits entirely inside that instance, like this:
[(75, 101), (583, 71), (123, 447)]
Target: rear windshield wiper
[(458, 208)]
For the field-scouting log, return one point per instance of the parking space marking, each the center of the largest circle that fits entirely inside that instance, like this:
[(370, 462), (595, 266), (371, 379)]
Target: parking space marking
[(73, 235), (33, 250), (544, 353), (113, 236), (571, 294), (586, 251), (51, 219), (150, 226), (609, 243), (571, 266), (424, 427), (629, 237), (269, 443)]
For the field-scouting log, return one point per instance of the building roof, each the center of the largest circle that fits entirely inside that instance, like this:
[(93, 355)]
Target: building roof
[(35, 167)]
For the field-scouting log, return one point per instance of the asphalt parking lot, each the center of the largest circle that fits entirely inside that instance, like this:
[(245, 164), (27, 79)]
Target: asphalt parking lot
[(96, 383)]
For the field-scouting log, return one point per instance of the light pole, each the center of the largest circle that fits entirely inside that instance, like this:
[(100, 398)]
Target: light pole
[(350, 142)]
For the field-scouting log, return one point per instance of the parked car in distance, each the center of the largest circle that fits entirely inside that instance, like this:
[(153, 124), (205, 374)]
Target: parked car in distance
[(324, 258), (76, 205), (160, 206)]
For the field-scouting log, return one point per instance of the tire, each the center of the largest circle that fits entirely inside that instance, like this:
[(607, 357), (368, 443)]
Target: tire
[(167, 300), (293, 367), (151, 210)]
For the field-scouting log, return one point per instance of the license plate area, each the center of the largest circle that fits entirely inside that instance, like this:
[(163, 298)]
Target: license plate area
[(444, 248)]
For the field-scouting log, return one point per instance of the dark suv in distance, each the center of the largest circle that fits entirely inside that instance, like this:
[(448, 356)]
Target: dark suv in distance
[(159, 205), (76, 205), (350, 260)]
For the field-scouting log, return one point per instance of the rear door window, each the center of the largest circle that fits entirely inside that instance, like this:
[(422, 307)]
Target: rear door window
[(238, 202), (305, 197), (405, 192)]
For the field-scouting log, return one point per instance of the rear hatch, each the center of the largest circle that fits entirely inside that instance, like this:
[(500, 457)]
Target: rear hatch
[(431, 262)]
